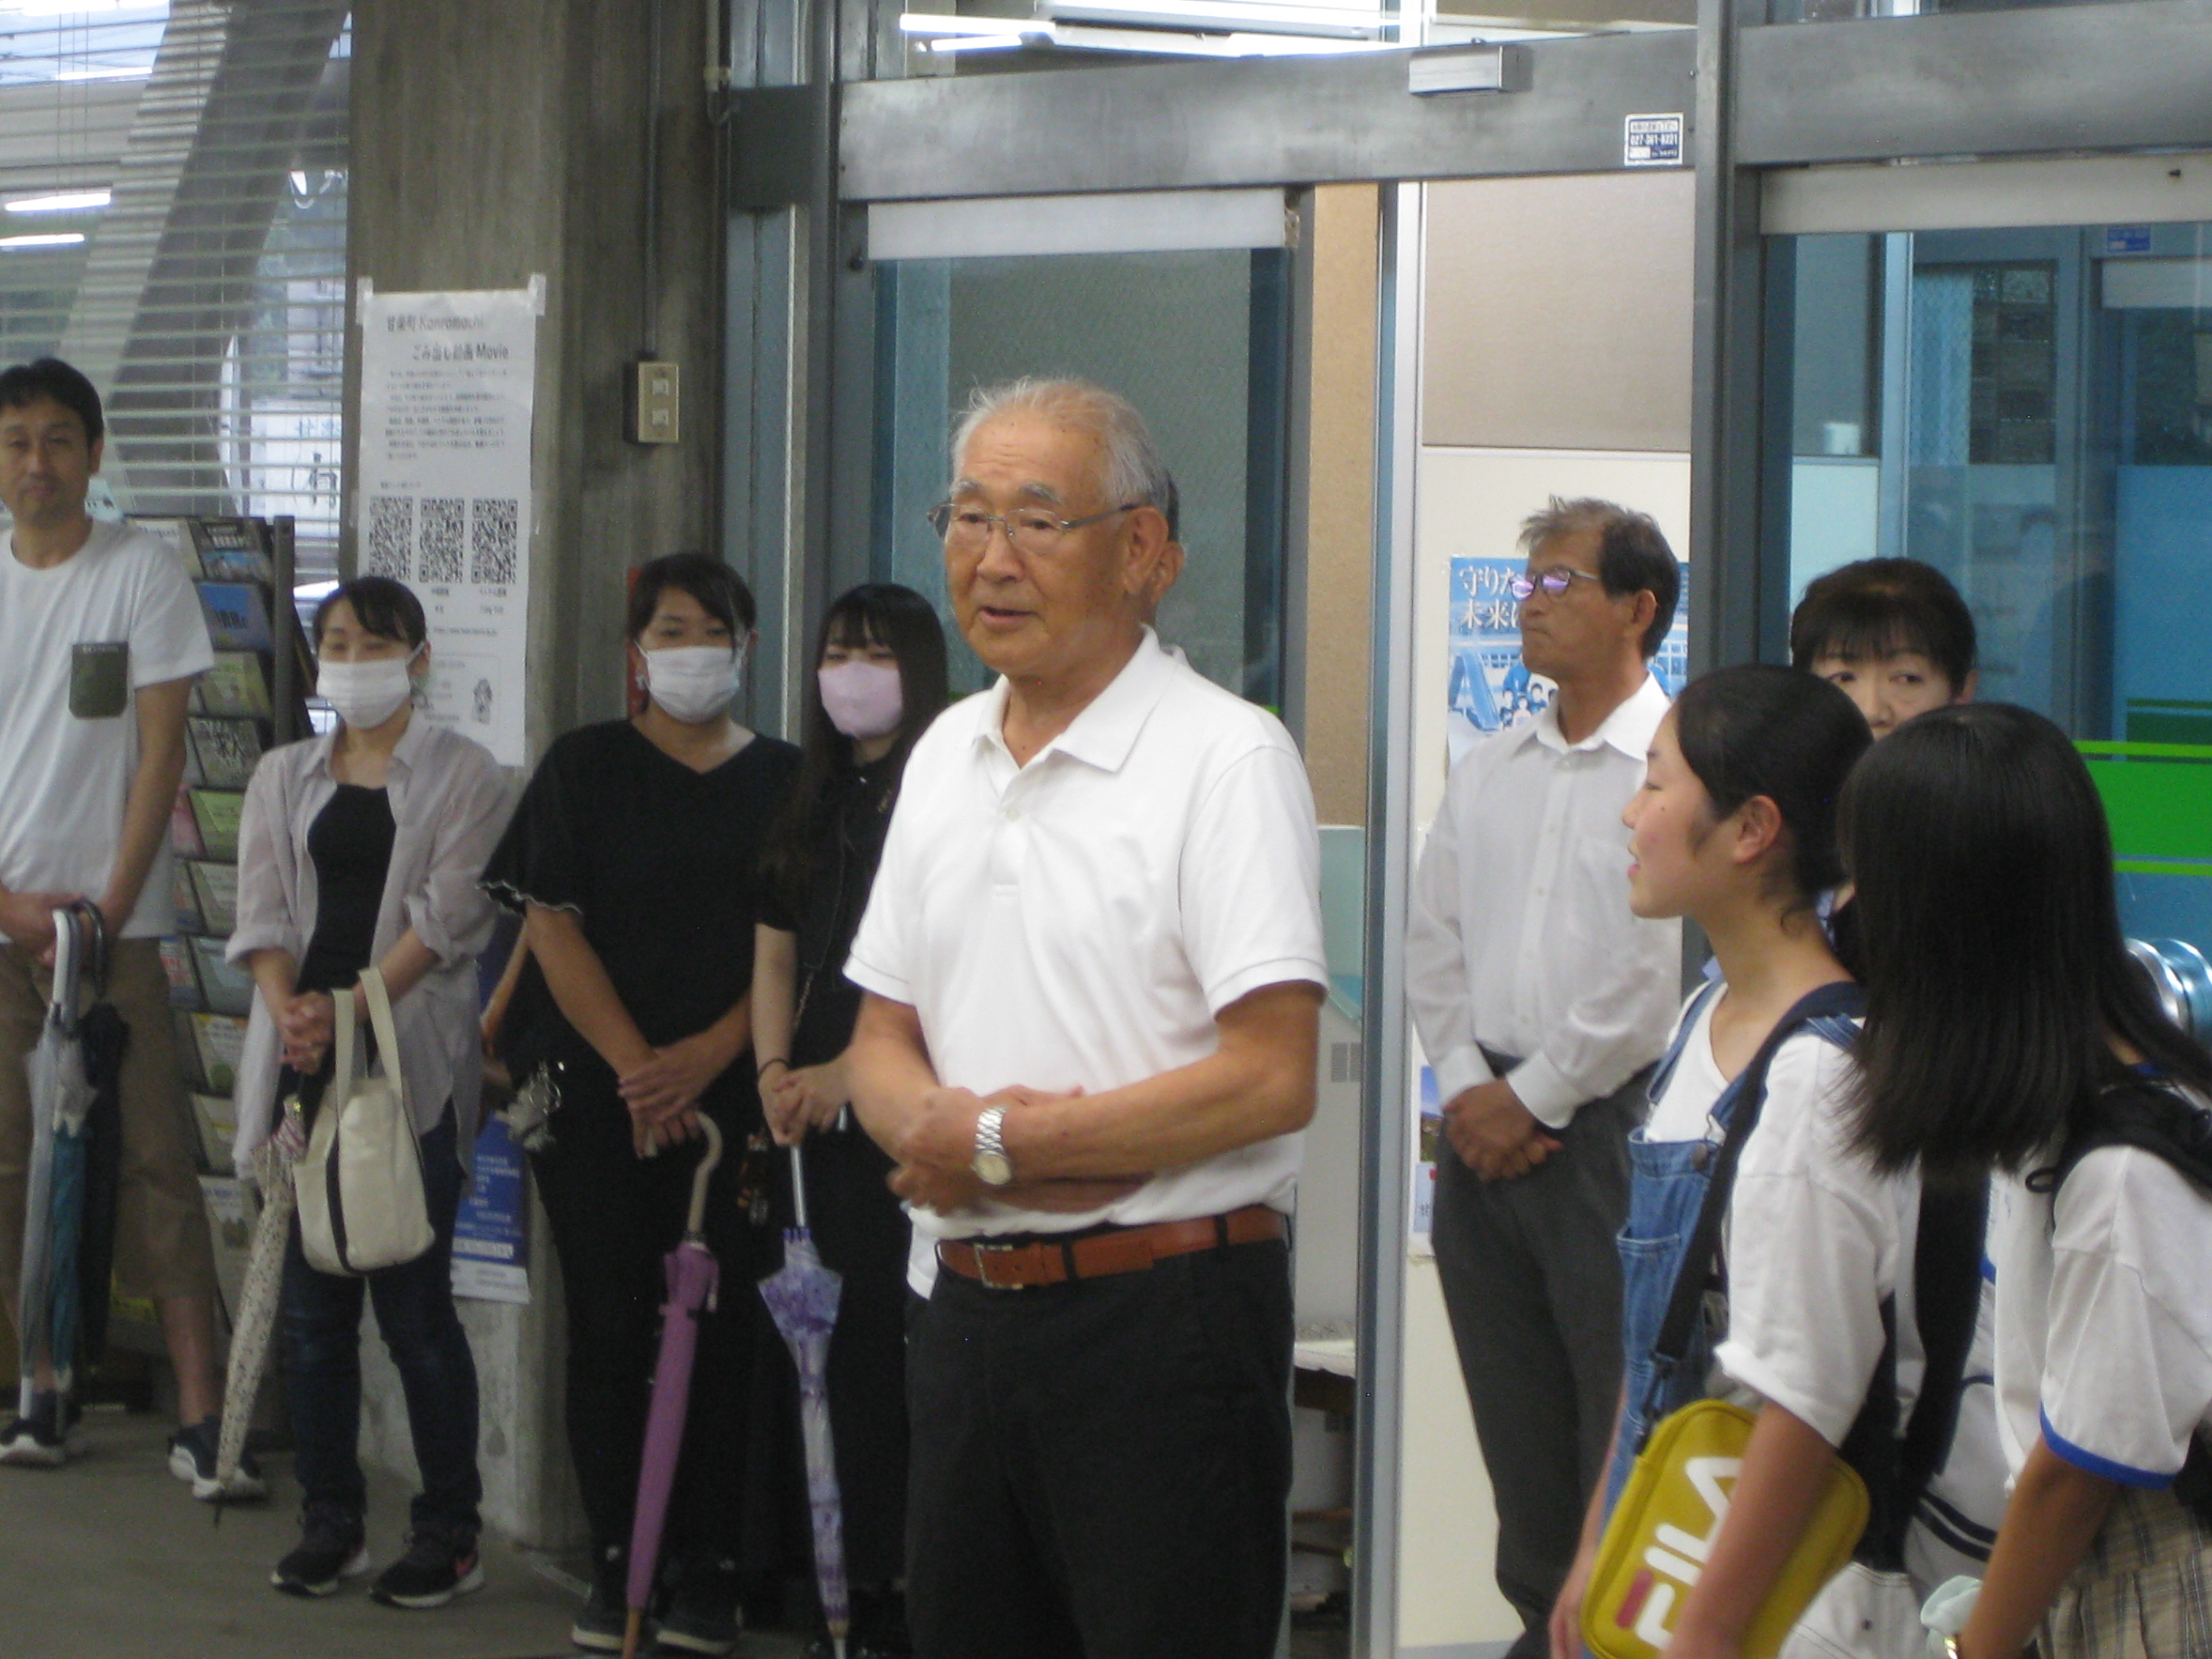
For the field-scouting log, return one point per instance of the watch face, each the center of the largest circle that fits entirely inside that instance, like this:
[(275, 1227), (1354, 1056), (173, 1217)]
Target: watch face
[(992, 1169)]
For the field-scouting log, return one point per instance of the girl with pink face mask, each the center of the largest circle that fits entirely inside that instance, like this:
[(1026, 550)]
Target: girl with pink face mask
[(879, 680)]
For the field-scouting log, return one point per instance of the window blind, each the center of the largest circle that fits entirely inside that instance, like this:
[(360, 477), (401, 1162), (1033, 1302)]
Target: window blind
[(172, 220)]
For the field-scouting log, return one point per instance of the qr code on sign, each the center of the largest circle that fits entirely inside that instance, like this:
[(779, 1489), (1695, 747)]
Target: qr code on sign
[(391, 535), (491, 542), (442, 519)]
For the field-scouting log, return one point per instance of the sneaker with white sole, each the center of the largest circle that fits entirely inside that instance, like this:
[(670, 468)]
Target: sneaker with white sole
[(40, 1441), (332, 1549), (437, 1567), (192, 1455)]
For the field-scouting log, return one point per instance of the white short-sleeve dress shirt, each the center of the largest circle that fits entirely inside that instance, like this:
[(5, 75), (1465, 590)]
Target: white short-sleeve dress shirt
[(1521, 940), (1078, 921)]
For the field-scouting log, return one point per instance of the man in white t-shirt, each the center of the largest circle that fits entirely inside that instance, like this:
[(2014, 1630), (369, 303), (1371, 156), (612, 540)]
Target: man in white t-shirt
[(1093, 964), (100, 638)]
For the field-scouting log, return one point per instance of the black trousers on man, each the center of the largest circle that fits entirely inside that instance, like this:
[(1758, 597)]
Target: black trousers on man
[(1530, 1274), (1100, 1469)]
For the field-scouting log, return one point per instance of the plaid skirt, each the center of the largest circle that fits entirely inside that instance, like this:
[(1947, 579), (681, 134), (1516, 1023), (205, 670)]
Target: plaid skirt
[(2144, 1590)]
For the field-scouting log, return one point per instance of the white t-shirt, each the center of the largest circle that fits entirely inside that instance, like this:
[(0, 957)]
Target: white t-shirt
[(1080, 921), (66, 775), (1816, 1240), (2104, 1321)]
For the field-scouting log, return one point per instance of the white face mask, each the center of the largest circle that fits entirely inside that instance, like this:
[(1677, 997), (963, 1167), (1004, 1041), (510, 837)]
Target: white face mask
[(694, 684), (366, 694), (863, 699)]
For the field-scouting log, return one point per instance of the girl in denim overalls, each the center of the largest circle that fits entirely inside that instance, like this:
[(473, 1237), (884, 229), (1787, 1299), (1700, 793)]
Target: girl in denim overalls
[(1734, 828)]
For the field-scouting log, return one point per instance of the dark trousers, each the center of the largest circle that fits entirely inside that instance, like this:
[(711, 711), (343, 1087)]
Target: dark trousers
[(614, 1216), (415, 1312), (1531, 1279), (1100, 1469)]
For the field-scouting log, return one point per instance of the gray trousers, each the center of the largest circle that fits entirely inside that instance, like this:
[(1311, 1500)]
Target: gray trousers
[(1531, 1281)]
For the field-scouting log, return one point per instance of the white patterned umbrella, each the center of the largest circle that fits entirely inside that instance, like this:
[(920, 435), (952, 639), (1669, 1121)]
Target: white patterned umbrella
[(254, 1319)]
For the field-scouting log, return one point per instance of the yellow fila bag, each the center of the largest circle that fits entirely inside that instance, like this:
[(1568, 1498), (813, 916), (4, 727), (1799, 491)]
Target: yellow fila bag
[(1662, 1531)]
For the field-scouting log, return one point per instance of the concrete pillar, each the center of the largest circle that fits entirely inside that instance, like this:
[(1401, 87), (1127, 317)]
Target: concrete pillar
[(490, 142)]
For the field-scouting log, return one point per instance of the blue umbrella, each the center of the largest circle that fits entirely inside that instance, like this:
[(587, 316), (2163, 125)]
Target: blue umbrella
[(62, 1101), (802, 1299)]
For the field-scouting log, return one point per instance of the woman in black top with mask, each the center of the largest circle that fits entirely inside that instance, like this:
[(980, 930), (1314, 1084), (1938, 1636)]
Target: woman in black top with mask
[(880, 680), (633, 857)]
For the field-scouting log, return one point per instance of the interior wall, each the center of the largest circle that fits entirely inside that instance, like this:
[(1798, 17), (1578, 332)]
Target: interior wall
[(1340, 496)]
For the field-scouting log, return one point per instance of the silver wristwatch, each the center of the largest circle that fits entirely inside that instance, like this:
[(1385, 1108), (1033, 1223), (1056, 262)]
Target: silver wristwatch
[(991, 1165)]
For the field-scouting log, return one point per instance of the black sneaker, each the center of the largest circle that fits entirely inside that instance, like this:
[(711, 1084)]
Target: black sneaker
[(437, 1567), (603, 1621), (40, 1441), (703, 1617), (332, 1549), (192, 1459)]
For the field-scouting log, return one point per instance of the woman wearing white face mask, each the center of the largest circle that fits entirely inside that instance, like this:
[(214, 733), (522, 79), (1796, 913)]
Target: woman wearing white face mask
[(365, 846), (632, 858), (880, 680)]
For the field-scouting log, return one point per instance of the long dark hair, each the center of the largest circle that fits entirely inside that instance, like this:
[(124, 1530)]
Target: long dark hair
[(874, 613), (1996, 977), (1761, 729)]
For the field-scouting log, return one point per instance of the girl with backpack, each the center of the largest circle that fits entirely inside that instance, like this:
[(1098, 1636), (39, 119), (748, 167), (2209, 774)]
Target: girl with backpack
[(2007, 1029), (1734, 828)]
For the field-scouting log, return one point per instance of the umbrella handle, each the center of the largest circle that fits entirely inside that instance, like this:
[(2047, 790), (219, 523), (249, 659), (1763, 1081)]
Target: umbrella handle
[(707, 1164), (94, 923), (797, 1186)]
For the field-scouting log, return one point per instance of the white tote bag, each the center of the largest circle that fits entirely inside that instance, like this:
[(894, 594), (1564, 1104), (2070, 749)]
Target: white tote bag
[(360, 1185)]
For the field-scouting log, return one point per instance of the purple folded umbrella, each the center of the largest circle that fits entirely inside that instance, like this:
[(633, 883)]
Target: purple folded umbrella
[(693, 1275), (802, 1299)]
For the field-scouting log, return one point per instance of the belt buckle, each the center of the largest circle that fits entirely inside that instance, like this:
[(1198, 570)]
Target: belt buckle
[(983, 1254)]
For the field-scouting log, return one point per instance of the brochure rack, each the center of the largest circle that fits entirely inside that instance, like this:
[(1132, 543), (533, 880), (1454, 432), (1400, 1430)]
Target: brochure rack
[(251, 701)]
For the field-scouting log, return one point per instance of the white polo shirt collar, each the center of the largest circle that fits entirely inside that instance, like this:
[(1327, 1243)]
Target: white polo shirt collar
[(1106, 731)]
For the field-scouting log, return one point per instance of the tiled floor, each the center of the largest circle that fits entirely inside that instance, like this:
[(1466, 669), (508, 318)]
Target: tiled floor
[(110, 1558)]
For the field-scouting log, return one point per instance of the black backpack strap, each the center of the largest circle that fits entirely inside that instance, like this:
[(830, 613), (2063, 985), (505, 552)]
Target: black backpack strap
[(1819, 1008), (1947, 1290), (2140, 1112)]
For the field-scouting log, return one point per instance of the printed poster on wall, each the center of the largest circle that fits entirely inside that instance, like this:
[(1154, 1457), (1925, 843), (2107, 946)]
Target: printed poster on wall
[(443, 499), (1490, 686), (491, 1234)]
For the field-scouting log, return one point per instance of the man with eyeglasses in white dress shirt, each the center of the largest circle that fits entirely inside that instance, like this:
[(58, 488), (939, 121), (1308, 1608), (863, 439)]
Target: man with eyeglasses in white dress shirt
[(1542, 1004), (1094, 966)]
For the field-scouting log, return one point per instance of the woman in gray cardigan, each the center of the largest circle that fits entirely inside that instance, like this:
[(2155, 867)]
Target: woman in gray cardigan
[(362, 847)]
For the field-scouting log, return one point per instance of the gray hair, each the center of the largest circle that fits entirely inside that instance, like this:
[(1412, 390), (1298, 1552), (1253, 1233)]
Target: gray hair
[(1131, 472), (1632, 554)]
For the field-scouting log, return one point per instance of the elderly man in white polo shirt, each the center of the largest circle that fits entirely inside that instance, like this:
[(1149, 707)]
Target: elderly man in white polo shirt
[(1093, 961)]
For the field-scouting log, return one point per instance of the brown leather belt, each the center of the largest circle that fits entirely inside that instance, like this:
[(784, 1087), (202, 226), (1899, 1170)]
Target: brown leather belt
[(1124, 1250)]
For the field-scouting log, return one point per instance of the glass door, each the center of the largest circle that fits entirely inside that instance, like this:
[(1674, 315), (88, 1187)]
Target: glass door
[(2029, 408), (1194, 330)]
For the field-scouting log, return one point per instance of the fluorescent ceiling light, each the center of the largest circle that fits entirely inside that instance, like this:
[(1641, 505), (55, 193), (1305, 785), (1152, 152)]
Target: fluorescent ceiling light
[(944, 27), (68, 201), (1352, 22), (1164, 43), (116, 73), (945, 36), (50, 239), (76, 8)]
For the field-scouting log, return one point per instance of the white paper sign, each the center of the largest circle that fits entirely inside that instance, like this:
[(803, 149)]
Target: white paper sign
[(444, 502), (1651, 141)]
